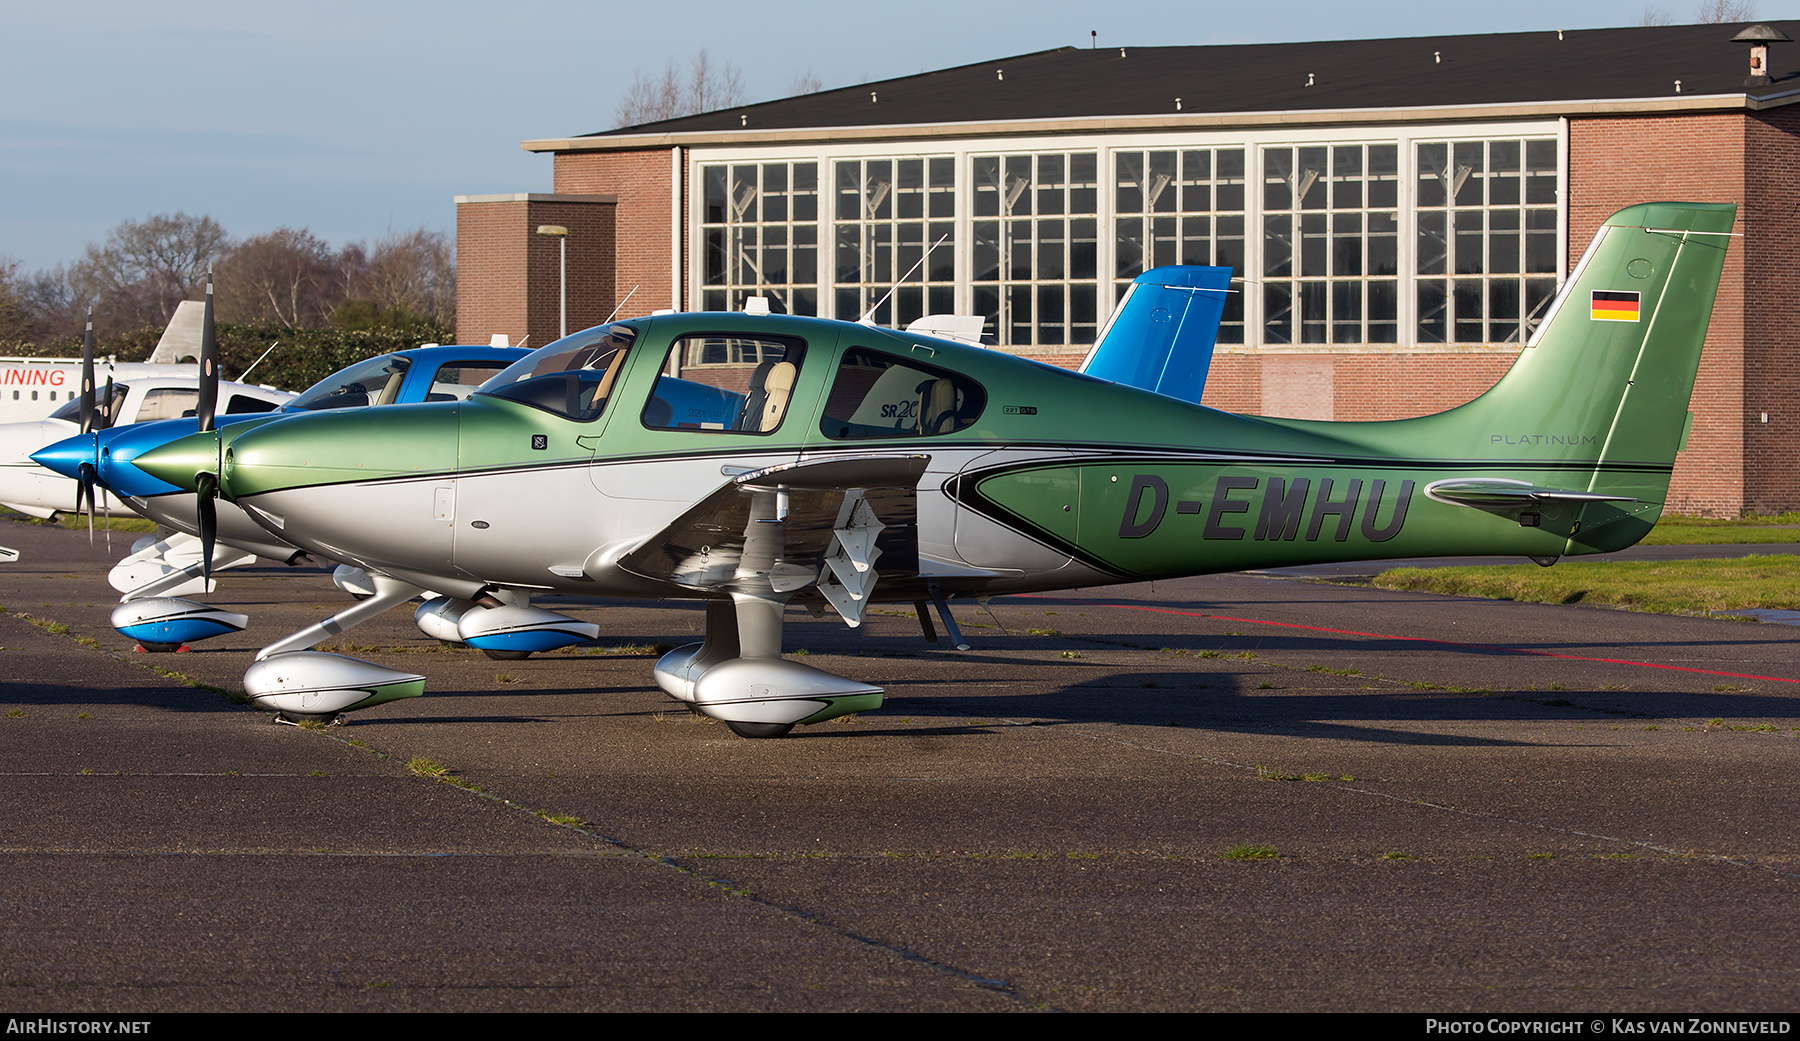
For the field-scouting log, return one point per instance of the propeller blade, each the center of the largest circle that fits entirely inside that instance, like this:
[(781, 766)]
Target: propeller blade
[(84, 489), (105, 419), (87, 375), (209, 364), (206, 513)]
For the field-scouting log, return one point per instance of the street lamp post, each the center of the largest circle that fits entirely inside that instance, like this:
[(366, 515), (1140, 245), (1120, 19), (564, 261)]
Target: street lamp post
[(561, 235)]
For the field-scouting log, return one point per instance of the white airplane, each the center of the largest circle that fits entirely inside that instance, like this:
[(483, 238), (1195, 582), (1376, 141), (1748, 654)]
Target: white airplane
[(137, 393)]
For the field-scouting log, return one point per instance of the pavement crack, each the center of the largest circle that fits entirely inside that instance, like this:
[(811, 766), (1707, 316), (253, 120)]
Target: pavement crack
[(730, 888)]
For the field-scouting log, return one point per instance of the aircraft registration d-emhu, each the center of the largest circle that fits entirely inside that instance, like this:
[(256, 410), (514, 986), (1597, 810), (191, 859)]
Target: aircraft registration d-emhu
[(756, 461)]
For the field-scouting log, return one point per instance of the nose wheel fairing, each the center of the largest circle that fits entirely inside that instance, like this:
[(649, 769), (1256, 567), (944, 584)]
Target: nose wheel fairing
[(314, 684)]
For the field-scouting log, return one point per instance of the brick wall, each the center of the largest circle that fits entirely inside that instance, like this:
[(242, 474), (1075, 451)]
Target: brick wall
[(1770, 250), (490, 271), (640, 181), (508, 277)]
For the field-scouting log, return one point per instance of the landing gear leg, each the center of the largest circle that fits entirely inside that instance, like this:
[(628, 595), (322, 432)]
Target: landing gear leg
[(738, 675), (943, 608)]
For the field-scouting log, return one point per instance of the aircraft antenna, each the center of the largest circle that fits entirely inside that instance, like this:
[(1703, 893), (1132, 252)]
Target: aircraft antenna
[(245, 375), (622, 303), (869, 319)]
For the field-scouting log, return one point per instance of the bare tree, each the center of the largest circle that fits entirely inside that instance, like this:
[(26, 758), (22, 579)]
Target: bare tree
[(1654, 15), (805, 83), (56, 310), (348, 270), (712, 88), (15, 312), (147, 267), (1714, 11), (285, 277), (705, 87), (412, 272)]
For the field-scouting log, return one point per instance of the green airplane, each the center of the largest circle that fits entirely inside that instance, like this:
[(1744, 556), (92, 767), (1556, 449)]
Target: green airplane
[(752, 462)]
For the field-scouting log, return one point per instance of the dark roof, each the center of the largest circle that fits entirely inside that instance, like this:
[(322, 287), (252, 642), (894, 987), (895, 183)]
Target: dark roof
[(1498, 68)]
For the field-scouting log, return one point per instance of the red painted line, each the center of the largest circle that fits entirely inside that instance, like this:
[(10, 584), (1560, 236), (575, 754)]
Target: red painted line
[(1442, 643)]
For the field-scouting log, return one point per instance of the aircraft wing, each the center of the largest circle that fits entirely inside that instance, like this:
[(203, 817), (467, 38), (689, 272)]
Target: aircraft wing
[(836, 523)]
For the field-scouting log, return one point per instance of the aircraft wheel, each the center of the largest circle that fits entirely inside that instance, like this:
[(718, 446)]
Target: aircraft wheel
[(360, 597), (506, 655), (157, 648), (755, 730), (330, 719)]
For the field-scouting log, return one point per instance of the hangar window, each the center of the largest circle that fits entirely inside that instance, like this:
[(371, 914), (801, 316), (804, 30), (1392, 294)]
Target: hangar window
[(760, 232), (1181, 207), (889, 212), (1487, 239), (1036, 261), (1331, 235)]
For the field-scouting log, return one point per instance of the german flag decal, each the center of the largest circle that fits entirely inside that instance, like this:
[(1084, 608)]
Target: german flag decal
[(1615, 306)]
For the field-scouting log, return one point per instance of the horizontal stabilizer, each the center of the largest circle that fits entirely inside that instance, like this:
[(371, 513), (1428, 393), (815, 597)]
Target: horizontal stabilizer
[(1499, 493)]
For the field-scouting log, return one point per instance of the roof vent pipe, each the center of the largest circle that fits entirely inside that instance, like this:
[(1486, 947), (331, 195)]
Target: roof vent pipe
[(1759, 37)]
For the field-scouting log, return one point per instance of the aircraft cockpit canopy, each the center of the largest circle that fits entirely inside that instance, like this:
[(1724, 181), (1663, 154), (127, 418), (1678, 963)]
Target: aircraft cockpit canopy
[(372, 382), (72, 410), (573, 377)]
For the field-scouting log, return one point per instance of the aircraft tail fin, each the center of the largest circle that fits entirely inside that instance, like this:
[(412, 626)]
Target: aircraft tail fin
[(1161, 336), (1595, 407), (181, 340)]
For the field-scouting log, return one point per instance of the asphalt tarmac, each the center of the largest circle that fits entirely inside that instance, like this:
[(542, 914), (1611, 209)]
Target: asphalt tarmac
[(1451, 805)]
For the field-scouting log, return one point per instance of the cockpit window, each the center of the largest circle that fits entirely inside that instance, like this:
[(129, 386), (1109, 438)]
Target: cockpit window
[(456, 380), (878, 395), (572, 377), (72, 410), (168, 403), (725, 382), (372, 382)]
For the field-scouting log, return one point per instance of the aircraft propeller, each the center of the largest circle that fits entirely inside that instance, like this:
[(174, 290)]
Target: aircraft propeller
[(84, 483), (205, 509)]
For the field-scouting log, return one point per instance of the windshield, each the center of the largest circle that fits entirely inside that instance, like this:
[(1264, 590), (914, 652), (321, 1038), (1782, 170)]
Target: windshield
[(72, 410), (372, 382), (572, 377)]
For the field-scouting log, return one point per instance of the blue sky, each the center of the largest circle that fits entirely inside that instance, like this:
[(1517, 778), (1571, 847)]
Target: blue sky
[(352, 118)]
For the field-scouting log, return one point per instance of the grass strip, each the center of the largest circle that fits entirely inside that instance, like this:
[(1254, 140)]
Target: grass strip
[(1685, 532), (122, 520), (1664, 587)]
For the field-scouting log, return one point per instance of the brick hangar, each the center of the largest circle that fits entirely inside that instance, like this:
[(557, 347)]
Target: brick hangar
[(1401, 212)]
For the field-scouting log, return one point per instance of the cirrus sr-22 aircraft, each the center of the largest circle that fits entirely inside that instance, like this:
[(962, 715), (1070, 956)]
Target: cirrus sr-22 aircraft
[(751, 462)]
